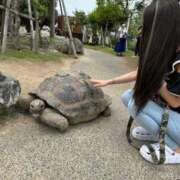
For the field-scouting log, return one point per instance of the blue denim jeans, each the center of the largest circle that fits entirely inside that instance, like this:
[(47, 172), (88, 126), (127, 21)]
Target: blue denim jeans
[(150, 118)]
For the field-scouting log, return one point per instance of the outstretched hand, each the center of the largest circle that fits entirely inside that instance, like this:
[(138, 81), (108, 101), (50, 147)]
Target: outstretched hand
[(99, 83)]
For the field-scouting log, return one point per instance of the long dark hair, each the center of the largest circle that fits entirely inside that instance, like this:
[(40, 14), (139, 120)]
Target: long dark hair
[(160, 39)]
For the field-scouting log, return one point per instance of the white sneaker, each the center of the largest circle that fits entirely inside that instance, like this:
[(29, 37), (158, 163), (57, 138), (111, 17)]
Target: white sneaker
[(171, 156), (142, 134)]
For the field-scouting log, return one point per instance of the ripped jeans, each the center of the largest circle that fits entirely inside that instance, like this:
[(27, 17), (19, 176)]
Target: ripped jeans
[(150, 119)]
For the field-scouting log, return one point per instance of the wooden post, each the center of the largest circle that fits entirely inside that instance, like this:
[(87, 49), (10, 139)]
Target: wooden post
[(60, 5), (31, 26), (17, 13), (5, 28), (37, 32), (17, 23), (52, 18), (69, 29)]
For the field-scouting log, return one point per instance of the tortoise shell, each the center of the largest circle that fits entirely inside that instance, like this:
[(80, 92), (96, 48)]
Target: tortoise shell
[(72, 95)]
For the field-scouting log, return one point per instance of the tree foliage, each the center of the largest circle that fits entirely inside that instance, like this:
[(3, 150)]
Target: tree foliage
[(100, 2), (81, 17), (134, 25), (107, 15), (136, 18), (42, 6)]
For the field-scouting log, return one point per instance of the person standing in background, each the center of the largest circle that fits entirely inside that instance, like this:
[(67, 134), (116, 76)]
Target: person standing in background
[(120, 46)]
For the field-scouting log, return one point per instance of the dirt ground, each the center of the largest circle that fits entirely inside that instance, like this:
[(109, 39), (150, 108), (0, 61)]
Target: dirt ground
[(92, 151), (30, 74)]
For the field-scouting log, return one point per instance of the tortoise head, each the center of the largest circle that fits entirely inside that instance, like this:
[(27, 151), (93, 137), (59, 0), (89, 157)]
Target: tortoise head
[(36, 107)]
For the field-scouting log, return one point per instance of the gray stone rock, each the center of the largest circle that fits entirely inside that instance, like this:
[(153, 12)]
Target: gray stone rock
[(9, 91), (79, 46), (63, 45)]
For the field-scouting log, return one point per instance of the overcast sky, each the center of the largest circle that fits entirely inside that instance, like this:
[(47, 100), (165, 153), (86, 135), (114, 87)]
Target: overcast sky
[(85, 5)]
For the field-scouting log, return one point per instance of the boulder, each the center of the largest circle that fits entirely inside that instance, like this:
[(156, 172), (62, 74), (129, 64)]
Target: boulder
[(63, 44), (9, 91)]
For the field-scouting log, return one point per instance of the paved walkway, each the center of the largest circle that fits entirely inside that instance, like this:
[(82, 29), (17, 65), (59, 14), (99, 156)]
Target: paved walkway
[(92, 151)]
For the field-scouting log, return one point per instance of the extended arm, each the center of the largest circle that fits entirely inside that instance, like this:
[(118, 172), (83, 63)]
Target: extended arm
[(129, 77)]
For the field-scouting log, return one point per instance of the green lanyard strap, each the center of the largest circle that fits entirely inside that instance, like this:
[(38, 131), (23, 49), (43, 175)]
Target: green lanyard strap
[(162, 133)]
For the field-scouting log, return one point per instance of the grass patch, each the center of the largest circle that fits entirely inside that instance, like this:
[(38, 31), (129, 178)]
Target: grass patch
[(31, 56), (7, 115), (128, 53), (101, 48)]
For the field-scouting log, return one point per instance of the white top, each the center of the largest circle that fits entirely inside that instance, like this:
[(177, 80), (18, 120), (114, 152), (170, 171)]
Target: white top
[(122, 31)]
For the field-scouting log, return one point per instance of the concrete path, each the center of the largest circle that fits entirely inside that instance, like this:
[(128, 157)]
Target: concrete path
[(92, 151)]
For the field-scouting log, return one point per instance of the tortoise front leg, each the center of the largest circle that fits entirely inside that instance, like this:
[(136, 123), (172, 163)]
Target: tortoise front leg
[(54, 119)]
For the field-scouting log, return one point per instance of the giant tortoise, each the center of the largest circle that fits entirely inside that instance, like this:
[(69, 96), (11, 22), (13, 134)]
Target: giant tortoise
[(67, 99)]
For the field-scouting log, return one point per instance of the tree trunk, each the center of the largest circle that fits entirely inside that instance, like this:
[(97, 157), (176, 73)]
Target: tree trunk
[(31, 26), (5, 28), (84, 39), (11, 21), (106, 34), (52, 19), (2, 22), (128, 25), (69, 29), (102, 37)]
